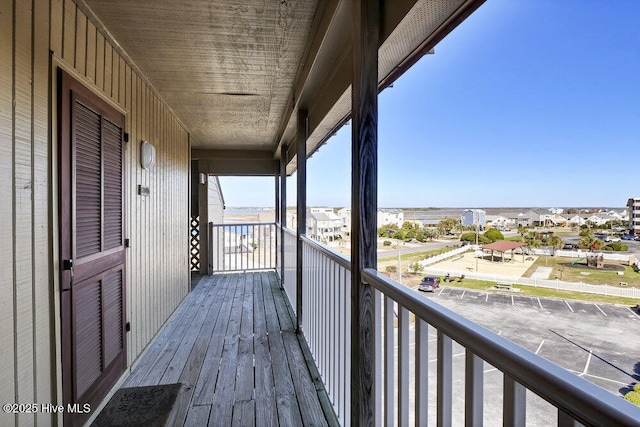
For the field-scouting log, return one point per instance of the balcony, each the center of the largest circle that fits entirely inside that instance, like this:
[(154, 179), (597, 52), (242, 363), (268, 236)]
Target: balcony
[(233, 347), (240, 347)]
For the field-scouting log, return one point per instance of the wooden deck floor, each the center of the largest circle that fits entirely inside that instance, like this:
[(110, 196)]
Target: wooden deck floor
[(233, 346)]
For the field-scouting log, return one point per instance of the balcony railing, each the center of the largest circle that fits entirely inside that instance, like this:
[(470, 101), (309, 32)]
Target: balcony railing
[(242, 247), (404, 351)]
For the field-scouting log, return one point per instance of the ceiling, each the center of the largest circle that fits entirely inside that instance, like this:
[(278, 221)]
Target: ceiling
[(235, 72)]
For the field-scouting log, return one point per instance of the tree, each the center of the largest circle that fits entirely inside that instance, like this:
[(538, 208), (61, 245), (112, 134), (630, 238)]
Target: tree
[(415, 267), (591, 242), (493, 235), (449, 224), (431, 233), (555, 242), (471, 238)]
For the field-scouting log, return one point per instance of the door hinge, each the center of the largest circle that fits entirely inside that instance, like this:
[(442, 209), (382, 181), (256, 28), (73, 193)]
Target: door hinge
[(126, 137), (127, 244), (127, 326)]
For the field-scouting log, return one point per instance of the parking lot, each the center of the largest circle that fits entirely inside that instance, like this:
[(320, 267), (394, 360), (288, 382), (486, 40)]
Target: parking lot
[(598, 342)]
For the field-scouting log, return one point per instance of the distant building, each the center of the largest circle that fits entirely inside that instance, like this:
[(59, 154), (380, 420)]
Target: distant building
[(633, 206), (390, 216), (323, 224), (473, 217), (345, 216)]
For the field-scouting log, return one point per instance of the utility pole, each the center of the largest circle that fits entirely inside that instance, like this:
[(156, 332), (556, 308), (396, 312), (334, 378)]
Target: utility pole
[(475, 220), (399, 265)]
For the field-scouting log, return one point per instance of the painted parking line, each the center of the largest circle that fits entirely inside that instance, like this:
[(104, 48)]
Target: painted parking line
[(567, 302), (512, 303), (539, 347), (600, 309), (633, 311), (462, 296), (607, 379), (586, 366), (540, 304), (486, 299)]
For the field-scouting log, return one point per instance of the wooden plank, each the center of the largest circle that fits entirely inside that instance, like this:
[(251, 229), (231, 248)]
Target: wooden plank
[(56, 27), (205, 386), (164, 344), (43, 290), (244, 414), (69, 35), (266, 405), (364, 204), (81, 43), (198, 415), (244, 381), (188, 377), (122, 100), (108, 68), (284, 316), (100, 43), (192, 334), (288, 410), (223, 397), (90, 71), (115, 81), (7, 212), (23, 193), (308, 401), (280, 366)]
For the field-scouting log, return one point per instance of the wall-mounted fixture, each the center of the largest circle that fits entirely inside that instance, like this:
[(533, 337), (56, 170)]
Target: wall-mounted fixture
[(147, 154), (203, 178)]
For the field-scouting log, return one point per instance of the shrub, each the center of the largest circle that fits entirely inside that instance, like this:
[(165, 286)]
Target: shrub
[(633, 397), (386, 243), (415, 267), (494, 235), (471, 237), (391, 269), (617, 246)]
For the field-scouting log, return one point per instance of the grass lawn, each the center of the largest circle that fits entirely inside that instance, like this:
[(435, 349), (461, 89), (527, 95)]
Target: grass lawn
[(483, 285), (407, 259), (585, 275)]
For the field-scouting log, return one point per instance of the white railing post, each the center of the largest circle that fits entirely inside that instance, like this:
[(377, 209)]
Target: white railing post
[(445, 380)]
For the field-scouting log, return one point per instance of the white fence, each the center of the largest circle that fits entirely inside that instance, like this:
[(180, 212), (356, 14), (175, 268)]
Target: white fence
[(326, 314), (441, 257), (242, 247)]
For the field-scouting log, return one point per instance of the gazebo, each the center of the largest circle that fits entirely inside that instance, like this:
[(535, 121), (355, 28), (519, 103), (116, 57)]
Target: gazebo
[(503, 246)]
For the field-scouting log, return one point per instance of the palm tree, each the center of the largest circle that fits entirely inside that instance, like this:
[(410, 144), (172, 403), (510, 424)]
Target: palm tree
[(591, 242), (556, 243)]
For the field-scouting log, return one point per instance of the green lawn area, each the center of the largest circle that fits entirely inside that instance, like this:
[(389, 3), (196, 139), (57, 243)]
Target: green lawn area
[(416, 256), (483, 285), (585, 275)]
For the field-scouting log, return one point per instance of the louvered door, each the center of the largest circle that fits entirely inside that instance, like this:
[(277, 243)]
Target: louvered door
[(91, 244)]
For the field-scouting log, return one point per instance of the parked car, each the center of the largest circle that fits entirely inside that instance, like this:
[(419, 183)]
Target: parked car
[(569, 246), (429, 284), (627, 237), (610, 239)]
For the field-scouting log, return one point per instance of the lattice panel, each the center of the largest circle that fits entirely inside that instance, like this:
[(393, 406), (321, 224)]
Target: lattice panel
[(194, 243)]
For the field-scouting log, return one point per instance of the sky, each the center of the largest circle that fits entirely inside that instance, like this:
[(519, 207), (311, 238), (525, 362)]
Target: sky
[(527, 103)]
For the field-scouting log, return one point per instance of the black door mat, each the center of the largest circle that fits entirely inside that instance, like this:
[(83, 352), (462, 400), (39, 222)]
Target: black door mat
[(148, 406)]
